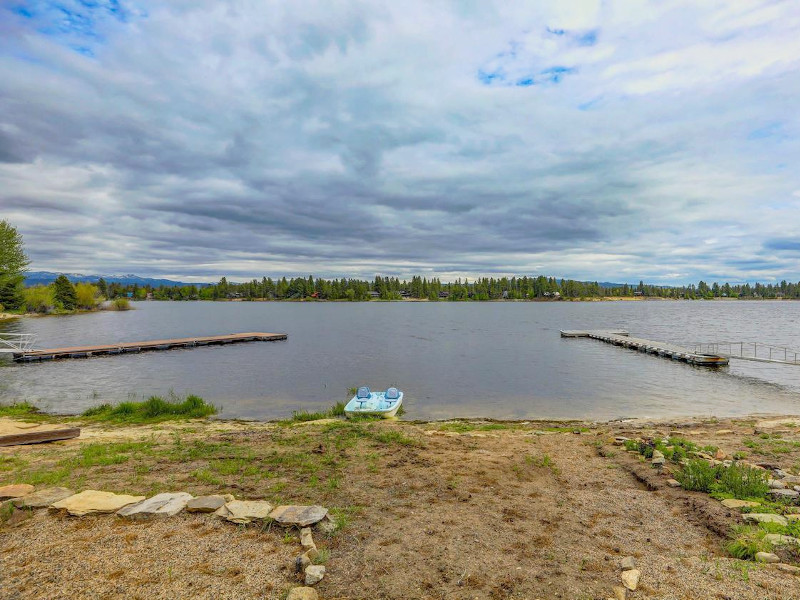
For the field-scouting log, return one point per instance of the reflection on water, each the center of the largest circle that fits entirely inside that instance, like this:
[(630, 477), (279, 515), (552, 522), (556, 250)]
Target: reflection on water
[(502, 360)]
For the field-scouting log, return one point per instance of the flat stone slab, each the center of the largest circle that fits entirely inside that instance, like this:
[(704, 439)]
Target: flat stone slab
[(245, 511), (765, 518), (784, 493), (15, 491), (93, 502), (301, 516), (43, 498), (160, 505), (205, 504), (778, 539), (733, 503)]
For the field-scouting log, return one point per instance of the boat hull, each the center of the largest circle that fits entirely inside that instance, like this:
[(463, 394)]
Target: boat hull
[(376, 405)]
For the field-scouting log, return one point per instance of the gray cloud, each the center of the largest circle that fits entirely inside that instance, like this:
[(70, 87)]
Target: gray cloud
[(197, 140)]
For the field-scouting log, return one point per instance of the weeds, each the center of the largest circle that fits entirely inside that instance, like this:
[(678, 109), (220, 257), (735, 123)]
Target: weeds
[(154, 409), (746, 541), (697, 475)]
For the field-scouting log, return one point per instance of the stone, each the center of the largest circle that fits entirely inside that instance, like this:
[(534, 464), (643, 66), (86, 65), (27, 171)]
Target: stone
[(657, 454), (777, 539), (620, 440), (160, 505), (792, 479), (245, 511), (792, 518), (306, 539), (777, 484), (302, 593), (206, 504), (301, 516), (43, 498), (93, 502), (327, 525), (630, 579), (314, 574), (229, 497), (674, 483), (734, 503), (627, 563), (784, 493), (725, 432), (620, 593), (15, 491), (719, 454), (312, 553), (789, 569), (765, 518), (767, 557), (301, 562)]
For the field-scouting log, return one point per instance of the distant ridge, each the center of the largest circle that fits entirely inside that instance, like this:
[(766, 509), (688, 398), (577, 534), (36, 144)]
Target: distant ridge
[(47, 277)]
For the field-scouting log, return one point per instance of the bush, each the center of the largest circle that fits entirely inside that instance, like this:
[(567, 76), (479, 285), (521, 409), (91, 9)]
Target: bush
[(120, 304), (746, 541), (38, 299), (697, 475), (88, 295), (743, 482)]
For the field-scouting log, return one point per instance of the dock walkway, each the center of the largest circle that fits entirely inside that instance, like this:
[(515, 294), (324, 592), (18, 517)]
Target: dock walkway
[(132, 347), (621, 338)]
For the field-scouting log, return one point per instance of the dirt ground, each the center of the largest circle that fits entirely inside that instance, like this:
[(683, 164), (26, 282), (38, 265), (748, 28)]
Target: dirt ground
[(451, 510)]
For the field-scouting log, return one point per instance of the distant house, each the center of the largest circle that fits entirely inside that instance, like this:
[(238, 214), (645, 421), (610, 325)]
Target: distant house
[(444, 294), (556, 294), (638, 293), (374, 294)]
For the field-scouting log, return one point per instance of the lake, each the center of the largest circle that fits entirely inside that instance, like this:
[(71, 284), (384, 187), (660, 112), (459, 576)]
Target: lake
[(500, 360)]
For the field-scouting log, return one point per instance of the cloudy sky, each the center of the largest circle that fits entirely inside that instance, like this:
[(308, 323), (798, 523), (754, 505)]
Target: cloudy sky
[(608, 140)]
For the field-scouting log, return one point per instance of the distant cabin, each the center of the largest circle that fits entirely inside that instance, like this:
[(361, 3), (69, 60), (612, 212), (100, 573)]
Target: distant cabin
[(374, 294)]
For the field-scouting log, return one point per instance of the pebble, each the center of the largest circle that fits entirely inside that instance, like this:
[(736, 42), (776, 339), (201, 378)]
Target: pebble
[(15, 491), (43, 498), (314, 574), (765, 518), (630, 579), (303, 593), (767, 557), (627, 563)]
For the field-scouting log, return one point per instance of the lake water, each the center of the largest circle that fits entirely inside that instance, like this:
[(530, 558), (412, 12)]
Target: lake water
[(501, 360)]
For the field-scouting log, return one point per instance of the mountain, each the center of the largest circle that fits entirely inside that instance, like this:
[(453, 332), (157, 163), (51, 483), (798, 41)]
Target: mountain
[(47, 277)]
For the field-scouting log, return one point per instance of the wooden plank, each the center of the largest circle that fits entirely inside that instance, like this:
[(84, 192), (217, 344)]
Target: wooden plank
[(38, 437)]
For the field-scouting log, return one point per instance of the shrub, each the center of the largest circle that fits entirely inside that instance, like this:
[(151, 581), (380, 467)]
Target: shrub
[(120, 304), (678, 454), (38, 298), (88, 295), (744, 482), (697, 475)]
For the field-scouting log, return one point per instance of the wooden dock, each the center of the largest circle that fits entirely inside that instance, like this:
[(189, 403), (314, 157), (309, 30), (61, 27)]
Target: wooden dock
[(621, 338), (133, 347)]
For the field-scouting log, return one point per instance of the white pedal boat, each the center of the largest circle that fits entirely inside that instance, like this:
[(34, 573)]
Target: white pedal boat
[(384, 404)]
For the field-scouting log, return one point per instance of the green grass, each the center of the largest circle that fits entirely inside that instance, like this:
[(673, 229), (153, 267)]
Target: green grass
[(746, 541), (743, 482), (152, 410), (24, 411), (299, 416), (697, 475)]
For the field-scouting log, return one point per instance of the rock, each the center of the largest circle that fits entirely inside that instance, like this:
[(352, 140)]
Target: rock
[(657, 454), (306, 539), (301, 516), (788, 569), (620, 440), (312, 553), (734, 503), (43, 498), (620, 593), (777, 539), (314, 574), (303, 593), (627, 563), (784, 493), (15, 491), (792, 518), (674, 483), (780, 473), (767, 557), (776, 484), (765, 518), (301, 562), (93, 502), (206, 504), (245, 511), (630, 579), (160, 505), (327, 525), (792, 479), (725, 432), (229, 497), (719, 454)]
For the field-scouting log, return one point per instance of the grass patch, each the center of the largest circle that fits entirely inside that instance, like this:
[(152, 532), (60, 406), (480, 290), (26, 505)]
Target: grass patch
[(746, 541), (697, 475), (152, 410), (395, 437), (736, 481), (23, 411), (299, 416)]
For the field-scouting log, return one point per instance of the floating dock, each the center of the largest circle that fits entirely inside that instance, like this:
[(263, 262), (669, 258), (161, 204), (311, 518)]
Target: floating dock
[(133, 347), (622, 338)]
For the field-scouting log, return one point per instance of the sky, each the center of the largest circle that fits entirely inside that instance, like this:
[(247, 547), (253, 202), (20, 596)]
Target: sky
[(597, 140)]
